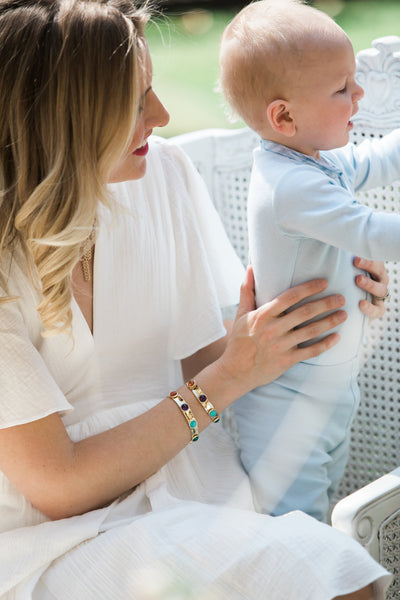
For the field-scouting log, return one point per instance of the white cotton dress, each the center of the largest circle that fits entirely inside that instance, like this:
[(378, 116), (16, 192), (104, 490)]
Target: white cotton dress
[(163, 267)]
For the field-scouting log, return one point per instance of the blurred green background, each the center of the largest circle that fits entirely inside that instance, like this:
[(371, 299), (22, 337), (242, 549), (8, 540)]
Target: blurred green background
[(184, 48)]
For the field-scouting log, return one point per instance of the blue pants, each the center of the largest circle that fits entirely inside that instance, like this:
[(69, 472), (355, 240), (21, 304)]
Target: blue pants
[(294, 437)]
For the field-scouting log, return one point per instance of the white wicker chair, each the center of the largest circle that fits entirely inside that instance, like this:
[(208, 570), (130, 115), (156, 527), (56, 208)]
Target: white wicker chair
[(224, 157)]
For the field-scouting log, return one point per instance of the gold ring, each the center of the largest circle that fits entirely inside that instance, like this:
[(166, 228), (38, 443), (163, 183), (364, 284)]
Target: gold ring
[(383, 298)]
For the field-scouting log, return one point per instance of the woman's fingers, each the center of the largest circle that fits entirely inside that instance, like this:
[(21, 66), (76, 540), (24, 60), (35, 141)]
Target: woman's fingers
[(294, 295), (313, 309), (376, 284), (265, 341), (305, 353), (377, 289), (287, 332), (287, 299), (315, 329), (374, 310), (247, 294), (279, 331), (375, 268)]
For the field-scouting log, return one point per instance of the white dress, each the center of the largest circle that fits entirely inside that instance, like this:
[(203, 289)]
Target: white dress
[(163, 267)]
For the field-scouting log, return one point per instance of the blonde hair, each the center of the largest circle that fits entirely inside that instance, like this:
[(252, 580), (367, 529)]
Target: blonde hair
[(69, 94), (262, 48)]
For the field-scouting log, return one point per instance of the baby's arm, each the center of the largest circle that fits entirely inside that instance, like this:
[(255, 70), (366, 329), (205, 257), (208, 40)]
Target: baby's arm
[(373, 163), (309, 204)]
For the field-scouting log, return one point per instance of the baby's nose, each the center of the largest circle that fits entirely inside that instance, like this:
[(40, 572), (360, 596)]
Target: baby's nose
[(358, 93)]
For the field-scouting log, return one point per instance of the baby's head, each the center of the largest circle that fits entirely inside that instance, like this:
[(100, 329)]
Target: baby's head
[(276, 56)]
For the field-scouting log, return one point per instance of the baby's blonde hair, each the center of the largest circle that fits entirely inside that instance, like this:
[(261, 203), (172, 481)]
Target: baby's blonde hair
[(69, 93), (261, 49)]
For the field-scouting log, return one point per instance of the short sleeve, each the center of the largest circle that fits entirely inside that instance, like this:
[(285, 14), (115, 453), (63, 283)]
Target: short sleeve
[(28, 392), (208, 272)]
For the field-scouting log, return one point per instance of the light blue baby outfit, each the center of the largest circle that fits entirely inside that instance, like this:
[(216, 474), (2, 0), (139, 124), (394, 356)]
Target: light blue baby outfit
[(305, 223)]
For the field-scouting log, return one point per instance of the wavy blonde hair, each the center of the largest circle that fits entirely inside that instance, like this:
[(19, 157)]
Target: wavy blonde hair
[(69, 94)]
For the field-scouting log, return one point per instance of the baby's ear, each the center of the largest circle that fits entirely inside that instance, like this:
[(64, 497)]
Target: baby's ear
[(280, 118)]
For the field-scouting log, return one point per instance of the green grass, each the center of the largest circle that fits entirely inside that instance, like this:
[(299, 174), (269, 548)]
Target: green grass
[(185, 56), (364, 21), (185, 71)]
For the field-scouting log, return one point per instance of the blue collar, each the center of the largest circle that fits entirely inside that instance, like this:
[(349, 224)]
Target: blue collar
[(322, 163)]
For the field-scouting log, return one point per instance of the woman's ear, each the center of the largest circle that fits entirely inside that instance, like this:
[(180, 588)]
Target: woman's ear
[(280, 118)]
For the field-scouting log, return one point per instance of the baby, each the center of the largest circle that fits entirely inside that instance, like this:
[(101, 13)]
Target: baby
[(289, 71)]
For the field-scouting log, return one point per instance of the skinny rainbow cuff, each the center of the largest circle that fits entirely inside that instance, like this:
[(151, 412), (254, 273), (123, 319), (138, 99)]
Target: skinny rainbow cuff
[(187, 413), (204, 401)]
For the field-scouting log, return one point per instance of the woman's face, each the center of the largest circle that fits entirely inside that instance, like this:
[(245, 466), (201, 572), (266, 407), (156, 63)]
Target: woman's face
[(132, 164)]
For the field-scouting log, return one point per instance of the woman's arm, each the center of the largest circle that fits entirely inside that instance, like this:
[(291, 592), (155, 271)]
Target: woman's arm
[(203, 357), (62, 478)]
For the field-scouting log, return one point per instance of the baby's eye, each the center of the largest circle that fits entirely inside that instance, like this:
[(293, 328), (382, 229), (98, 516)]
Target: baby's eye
[(343, 90)]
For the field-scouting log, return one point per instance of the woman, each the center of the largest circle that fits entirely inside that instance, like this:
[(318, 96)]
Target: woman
[(111, 299)]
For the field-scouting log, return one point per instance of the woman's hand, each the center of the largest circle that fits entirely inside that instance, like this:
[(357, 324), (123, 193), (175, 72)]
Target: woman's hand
[(376, 285), (265, 342)]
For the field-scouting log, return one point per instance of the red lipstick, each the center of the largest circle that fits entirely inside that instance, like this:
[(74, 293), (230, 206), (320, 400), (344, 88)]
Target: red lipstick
[(142, 151)]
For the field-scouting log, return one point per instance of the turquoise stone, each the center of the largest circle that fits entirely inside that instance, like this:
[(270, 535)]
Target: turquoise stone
[(213, 413), (193, 423)]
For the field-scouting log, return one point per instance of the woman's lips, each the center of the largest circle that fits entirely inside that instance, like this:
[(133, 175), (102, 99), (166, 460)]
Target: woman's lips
[(142, 151)]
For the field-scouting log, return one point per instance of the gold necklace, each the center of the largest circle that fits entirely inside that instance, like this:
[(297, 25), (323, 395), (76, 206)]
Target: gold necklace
[(86, 253)]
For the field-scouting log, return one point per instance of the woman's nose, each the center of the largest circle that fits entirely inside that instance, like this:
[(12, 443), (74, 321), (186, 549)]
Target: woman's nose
[(157, 115)]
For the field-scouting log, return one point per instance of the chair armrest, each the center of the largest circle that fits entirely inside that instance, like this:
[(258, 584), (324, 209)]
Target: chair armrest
[(371, 515), (366, 513)]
